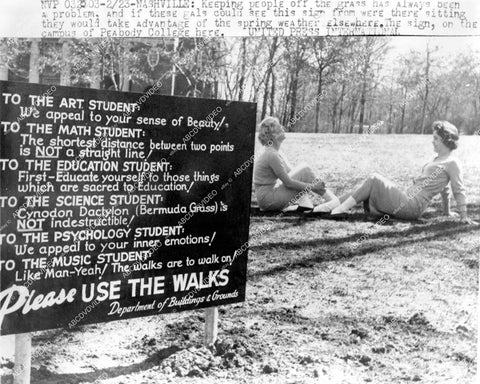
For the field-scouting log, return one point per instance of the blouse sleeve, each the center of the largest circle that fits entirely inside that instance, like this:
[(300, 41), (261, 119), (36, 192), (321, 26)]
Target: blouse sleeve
[(456, 180), (277, 164), (286, 163)]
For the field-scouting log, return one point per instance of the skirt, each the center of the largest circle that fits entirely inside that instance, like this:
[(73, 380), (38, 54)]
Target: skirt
[(274, 197), (387, 198)]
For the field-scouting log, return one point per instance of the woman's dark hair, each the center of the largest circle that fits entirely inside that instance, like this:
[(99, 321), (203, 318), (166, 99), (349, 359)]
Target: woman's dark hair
[(447, 132)]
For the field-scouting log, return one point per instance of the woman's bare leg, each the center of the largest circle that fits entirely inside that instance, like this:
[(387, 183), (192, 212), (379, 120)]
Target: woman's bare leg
[(362, 193), (345, 196), (359, 186), (304, 174)]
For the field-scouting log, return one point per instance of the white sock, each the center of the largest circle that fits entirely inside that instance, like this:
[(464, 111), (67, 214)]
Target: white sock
[(329, 195), (345, 206), (328, 206)]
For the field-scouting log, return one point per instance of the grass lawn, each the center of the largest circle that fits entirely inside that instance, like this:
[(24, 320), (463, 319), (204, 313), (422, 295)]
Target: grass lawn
[(400, 307)]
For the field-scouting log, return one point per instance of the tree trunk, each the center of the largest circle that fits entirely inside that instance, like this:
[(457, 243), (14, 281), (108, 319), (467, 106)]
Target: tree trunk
[(254, 89), (476, 104), (287, 101), (363, 95), (265, 96), (475, 108), (304, 95), (272, 96), (294, 88), (353, 111), (371, 111), (65, 72), (390, 107), (273, 49), (241, 81), (334, 116), (228, 90), (425, 98), (33, 73), (340, 113), (124, 74), (95, 72), (404, 106), (390, 112), (3, 65), (362, 107), (317, 106), (215, 89)]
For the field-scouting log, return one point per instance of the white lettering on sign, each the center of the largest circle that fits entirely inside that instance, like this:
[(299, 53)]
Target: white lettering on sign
[(28, 301)]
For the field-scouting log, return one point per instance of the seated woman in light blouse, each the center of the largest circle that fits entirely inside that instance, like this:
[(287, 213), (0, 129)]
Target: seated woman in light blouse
[(381, 196), (278, 186)]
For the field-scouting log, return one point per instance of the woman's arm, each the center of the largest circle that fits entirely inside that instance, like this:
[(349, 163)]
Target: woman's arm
[(288, 166), (279, 168), (446, 201), (455, 174)]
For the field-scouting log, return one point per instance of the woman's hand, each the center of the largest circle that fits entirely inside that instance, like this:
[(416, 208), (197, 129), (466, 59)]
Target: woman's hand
[(462, 218), (467, 220), (319, 188), (451, 214)]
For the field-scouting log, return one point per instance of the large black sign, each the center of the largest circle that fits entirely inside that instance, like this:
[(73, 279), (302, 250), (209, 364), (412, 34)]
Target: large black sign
[(118, 205)]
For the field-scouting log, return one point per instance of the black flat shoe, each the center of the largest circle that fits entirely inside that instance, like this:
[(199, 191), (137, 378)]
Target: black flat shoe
[(338, 216), (304, 209), (312, 213)]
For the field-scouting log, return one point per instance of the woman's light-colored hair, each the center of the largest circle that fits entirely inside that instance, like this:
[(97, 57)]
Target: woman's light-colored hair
[(269, 127)]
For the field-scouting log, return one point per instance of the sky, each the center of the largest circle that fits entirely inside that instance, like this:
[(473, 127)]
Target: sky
[(454, 44), (441, 47), (27, 14)]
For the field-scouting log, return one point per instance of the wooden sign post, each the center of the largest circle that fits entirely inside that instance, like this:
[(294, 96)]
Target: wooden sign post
[(211, 325), (23, 358)]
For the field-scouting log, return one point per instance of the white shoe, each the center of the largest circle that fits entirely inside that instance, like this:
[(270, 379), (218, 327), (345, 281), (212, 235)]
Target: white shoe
[(328, 206), (322, 208), (290, 208), (345, 206)]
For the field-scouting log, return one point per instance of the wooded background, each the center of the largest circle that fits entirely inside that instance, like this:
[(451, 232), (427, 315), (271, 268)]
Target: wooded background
[(348, 84)]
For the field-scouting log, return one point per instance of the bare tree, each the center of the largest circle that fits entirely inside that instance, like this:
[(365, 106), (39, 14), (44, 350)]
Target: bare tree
[(243, 61), (271, 55), (374, 48), (296, 53), (328, 52), (427, 88)]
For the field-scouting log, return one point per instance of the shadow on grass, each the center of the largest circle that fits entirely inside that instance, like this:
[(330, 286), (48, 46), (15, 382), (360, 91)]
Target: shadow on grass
[(437, 228), (305, 217), (288, 223), (331, 248), (43, 376), (356, 216)]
